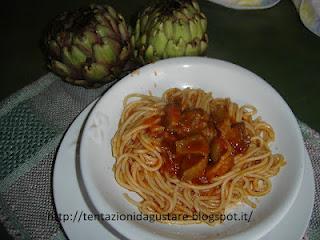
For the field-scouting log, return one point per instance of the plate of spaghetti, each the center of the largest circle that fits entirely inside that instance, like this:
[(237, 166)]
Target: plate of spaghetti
[(191, 148)]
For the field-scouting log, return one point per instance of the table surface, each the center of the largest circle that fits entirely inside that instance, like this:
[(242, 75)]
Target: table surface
[(272, 43)]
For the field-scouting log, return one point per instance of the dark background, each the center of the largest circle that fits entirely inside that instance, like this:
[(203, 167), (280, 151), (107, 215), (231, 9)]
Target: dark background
[(272, 43)]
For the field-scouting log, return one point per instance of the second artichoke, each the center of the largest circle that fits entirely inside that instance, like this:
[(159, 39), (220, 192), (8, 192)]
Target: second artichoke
[(170, 28)]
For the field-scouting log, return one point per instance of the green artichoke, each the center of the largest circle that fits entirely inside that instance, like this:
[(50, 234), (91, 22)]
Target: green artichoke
[(170, 28), (89, 46)]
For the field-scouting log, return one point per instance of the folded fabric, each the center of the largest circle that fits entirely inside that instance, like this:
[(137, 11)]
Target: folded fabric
[(246, 4), (309, 10)]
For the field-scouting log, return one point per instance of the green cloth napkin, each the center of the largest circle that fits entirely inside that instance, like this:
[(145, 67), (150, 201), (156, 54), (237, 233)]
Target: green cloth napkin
[(32, 124)]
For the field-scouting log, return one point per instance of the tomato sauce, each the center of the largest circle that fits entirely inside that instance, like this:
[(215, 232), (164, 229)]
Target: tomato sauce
[(197, 146)]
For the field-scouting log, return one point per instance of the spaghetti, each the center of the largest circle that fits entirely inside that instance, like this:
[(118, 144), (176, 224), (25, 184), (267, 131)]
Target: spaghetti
[(187, 152)]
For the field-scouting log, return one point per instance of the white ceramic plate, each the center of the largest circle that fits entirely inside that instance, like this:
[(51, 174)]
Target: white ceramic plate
[(69, 199), (224, 80)]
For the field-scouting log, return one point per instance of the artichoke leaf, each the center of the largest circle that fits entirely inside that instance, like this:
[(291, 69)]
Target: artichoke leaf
[(192, 49), (143, 23), (192, 10), (168, 28), (85, 42), (185, 33), (188, 12), (143, 40), (123, 31), (112, 12), (199, 31), (181, 16), (54, 48), (103, 31), (89, 37), (73, 56), (113, 23), (196, 5), (124, 54), (137, 30), (203, 22), (133, 42), (107, 52), (82, 45), (193, 28), (95, 72), (203, 46), (149, 53), (175, 50), (159, 42), (102, 19), (60, 68)]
